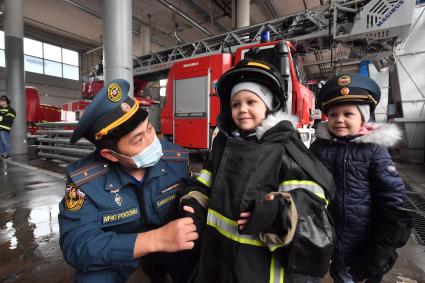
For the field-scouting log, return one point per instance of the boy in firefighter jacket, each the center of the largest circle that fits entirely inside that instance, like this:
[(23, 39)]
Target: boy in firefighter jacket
[(370, 222), (263, 193)]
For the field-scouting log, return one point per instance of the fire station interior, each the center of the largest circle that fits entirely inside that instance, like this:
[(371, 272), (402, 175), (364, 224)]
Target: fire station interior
[(54, 57)]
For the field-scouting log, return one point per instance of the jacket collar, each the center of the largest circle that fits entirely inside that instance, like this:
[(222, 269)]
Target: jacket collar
[(117, 178), (387, 135)]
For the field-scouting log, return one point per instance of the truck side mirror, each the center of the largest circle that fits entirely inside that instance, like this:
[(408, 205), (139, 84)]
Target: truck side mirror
[(281, 50)]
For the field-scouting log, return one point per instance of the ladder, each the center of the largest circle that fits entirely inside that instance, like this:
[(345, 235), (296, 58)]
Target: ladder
[(375, 26)]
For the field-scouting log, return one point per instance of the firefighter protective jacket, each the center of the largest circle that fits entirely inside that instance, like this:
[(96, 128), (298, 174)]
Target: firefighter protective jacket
[(239, 171), (7, 116)]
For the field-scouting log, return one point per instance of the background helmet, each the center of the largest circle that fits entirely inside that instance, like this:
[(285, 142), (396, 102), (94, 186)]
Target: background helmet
[(349, 89), (249, 70)]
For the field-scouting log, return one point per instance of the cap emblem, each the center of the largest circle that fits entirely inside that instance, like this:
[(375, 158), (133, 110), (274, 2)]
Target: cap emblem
[(344, 80), (345, 91), (114, 92)]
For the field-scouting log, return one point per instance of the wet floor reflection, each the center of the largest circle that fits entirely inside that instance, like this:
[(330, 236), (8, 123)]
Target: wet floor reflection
[(29, 230)]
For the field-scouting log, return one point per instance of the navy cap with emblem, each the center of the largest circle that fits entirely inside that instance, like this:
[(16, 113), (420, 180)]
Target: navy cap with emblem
[(349, 89), (112, 113)]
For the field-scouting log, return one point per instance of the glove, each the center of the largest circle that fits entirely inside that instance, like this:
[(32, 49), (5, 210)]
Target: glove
[(375, 263), (268, 216)]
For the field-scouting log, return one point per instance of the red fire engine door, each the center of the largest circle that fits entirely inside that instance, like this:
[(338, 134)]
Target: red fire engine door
[(191, 110)]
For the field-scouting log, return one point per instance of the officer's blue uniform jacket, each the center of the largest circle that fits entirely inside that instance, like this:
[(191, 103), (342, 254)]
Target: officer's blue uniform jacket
[(365, 176), (100, 219)]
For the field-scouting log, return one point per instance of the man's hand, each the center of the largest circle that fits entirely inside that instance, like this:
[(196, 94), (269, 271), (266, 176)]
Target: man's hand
[(175, 236)]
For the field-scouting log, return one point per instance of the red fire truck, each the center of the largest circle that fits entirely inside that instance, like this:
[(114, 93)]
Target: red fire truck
[(38, 112), (192, 105)]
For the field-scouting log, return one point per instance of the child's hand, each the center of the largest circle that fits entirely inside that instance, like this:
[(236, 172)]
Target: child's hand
[(267, 215), (188, 209), (269, 197), (243, 219), (244, 216)]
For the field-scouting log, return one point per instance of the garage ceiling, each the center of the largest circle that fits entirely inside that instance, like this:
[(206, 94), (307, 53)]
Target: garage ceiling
[(77, 24), (80, 21)]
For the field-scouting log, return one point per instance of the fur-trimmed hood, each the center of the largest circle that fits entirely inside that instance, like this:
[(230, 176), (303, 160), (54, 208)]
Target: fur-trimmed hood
[(272, 120), (385, 134)]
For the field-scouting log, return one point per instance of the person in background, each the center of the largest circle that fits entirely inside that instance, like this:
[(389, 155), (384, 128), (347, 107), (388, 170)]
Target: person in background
[(115, 214), (263, 194), (369, 219), (7, 116)]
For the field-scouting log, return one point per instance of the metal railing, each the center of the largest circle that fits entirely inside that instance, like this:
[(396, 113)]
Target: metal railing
[(53, 142)]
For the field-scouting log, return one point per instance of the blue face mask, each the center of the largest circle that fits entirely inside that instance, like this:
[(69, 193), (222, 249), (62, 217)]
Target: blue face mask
[(148, 157)]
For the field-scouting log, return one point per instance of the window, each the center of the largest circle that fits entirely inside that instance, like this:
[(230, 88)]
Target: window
[(1, 39), (33, 47), (162, 87), (70, 72), (69, 57), (33, 64), (52, 52), (48, 59), (2, 58), (52, 68), (299, 69)]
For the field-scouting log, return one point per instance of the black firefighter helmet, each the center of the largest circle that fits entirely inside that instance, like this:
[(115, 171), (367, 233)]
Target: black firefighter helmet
[(249, 70)]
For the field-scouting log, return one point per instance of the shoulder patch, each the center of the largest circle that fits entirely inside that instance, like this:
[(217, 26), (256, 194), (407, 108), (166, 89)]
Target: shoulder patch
[(175, 155), (89, 172), (74, 198)]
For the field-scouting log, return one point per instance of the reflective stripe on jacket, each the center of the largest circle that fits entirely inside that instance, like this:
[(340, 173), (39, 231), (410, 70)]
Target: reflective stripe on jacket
[(7, 116), (239, 171)]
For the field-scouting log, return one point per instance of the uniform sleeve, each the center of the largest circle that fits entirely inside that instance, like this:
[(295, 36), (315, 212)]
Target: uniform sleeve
[(84, 244), (387, 186)]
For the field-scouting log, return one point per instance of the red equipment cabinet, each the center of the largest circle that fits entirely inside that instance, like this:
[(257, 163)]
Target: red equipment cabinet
[(191, 105)]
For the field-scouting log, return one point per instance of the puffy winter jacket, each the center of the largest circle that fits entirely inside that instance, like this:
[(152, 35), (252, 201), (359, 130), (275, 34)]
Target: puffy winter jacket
[(365, 177), (239, 173)]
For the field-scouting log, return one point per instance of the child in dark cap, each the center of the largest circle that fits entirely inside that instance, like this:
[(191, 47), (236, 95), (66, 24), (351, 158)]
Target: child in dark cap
[(369, 219), (264, 194)]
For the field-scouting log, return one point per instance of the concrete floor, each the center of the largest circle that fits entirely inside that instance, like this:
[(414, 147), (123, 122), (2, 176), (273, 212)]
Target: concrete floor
[(29, 232)]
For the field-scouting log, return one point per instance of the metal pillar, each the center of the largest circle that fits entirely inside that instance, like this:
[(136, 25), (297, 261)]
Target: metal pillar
[(117, 41), (240, 13), (15, 81)]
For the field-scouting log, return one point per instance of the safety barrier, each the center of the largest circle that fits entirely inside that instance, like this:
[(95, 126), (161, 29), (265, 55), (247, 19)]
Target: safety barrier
[(53, 142)]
